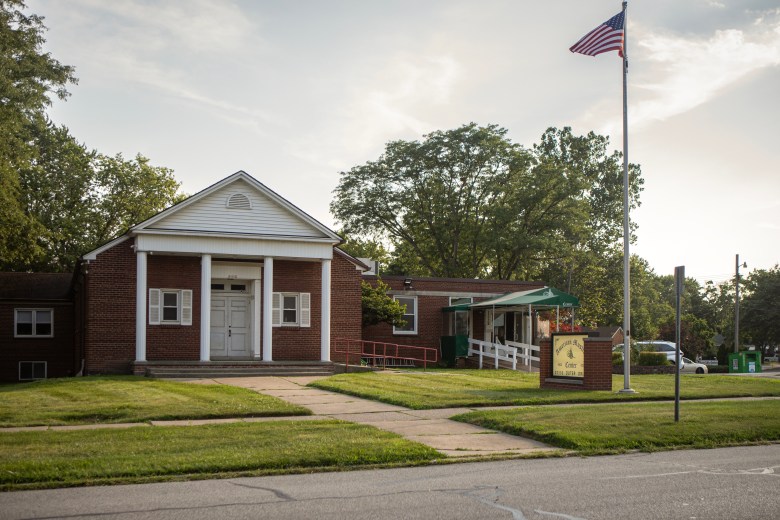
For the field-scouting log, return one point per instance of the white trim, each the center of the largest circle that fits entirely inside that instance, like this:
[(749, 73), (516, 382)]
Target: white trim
[(92, 255), (325, 312), (268, 288), (415, 314), (205, 307), (249, 236), (33, 323)]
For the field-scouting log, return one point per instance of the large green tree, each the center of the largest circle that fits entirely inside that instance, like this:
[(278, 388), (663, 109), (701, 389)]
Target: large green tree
[(760, 308), (58, 199), (470, 203), (29, 78), (82, 199)]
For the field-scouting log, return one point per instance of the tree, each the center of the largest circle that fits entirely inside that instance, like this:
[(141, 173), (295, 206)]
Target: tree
[(760, 308), (379, 307), (29, 77), (82, 199), (470, 203)]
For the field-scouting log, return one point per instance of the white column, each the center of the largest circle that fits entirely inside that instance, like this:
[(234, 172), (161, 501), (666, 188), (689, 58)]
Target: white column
[(140, 306), (256, 317), (205, 307), (268, 289), (325, 319)]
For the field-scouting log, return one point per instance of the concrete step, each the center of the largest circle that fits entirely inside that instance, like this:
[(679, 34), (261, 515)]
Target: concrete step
[(210, 372)]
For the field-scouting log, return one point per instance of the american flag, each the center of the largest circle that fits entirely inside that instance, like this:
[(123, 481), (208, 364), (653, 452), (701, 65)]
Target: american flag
[(604, 38)]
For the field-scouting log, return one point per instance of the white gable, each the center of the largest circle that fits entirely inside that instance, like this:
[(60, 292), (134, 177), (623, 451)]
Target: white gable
[(238, 208)]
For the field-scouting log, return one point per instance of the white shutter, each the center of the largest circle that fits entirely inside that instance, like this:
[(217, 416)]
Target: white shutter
[(276, 311), (305, 309), (186, 307), (154, 306)]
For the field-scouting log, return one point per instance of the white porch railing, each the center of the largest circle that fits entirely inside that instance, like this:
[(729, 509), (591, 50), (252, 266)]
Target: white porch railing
[(498, 352)]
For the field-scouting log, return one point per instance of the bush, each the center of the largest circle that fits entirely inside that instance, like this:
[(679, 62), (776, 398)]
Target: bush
[(718, 369), (653, 359), (617, 359)]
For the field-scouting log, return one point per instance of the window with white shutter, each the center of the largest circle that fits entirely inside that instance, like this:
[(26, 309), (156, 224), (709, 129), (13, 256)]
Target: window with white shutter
[(276, 312), (170, 307), (305, 309)]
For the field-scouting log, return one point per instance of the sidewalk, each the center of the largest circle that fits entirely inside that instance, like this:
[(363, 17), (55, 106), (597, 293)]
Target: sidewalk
[(430, 427)]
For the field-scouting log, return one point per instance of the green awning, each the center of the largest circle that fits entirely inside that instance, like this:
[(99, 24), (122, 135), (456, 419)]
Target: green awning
[(546, 296)]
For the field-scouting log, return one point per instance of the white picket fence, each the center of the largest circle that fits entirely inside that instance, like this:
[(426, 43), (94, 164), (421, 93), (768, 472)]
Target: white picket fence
[(510, 352)]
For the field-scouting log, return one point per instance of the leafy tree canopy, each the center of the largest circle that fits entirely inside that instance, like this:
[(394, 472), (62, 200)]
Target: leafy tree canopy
[(58, 199)]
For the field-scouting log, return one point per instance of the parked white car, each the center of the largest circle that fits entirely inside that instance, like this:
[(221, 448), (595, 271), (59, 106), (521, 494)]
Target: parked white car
[(667, 347), (689, 366)]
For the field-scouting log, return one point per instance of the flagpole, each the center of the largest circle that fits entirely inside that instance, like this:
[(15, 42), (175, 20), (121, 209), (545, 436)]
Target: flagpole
[(626, 228)]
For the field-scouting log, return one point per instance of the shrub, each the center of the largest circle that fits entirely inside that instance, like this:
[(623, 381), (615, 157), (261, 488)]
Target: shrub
[(718, 369), (617, 359), (653, 359)]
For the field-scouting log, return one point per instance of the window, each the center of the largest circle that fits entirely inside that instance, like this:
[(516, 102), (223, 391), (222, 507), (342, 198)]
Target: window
[(410, 315), (29, 370), (170, 310), (170, 307), (291, 310), (458, 300), (33, 323)]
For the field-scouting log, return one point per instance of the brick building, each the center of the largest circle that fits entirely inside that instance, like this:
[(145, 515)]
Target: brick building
[(233, 273)]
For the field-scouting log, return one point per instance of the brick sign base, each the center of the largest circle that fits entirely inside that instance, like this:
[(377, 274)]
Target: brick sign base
[(598, 367)]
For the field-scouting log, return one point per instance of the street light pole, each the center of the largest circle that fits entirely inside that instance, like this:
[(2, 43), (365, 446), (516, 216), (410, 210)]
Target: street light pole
[(736, 306)]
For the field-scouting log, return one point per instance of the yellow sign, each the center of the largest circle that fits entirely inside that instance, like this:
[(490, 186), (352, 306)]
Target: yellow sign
[(568, 355)]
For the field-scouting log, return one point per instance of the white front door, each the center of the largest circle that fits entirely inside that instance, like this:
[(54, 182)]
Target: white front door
[(230, 327)]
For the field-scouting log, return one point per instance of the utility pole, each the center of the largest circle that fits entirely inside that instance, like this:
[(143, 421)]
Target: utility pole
[(736, 306)]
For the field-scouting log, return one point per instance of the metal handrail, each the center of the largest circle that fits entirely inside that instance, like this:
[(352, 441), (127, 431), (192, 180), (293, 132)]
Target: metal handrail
[(376, 350)]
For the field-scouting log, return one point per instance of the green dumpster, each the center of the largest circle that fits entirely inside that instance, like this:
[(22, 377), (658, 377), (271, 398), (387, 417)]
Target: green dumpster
[(746, 362), (453, 347), (752, 361), (736, 362)]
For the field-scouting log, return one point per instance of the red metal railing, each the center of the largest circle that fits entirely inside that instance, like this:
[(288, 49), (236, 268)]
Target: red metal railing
[(379, 351)]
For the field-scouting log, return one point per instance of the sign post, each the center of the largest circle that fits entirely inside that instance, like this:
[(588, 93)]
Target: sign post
[(679, 286)]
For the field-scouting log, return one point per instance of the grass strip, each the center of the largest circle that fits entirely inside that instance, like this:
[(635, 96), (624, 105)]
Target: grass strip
[(85, 457), (593, 430), (119, 399), (456, 388)]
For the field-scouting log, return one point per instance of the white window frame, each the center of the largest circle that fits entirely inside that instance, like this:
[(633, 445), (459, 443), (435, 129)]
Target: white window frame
[(302, 309), (33, 363), (183, 307), (34, 312), (416, 313)]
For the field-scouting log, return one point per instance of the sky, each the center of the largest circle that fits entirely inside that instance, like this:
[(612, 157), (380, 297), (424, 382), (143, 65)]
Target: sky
[(296, 91)]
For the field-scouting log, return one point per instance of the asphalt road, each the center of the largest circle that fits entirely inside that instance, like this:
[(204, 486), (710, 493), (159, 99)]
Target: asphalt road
[(729, 483)]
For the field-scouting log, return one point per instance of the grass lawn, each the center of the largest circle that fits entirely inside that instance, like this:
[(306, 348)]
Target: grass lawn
[(616, 428), (38, 459), (453, 388), (130, 399)]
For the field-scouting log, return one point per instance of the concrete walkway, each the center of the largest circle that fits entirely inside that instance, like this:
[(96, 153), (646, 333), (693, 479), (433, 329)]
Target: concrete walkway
[(430, 427)]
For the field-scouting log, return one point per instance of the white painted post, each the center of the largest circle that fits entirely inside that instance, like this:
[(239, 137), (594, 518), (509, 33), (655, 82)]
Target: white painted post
[(325, 319), (140, 305), (268, 289), (205, 307), (257, 297)]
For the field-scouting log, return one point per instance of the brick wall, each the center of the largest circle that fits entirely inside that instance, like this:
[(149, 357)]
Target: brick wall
[(56, 351), (109, 335), (598, 367), (174, 342), (430, 320), (345, 303)]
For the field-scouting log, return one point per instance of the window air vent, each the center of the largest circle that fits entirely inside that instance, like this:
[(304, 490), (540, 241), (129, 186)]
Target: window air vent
[(239, 201)]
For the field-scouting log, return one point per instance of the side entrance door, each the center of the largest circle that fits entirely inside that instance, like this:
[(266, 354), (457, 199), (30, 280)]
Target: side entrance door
[(230, 327)]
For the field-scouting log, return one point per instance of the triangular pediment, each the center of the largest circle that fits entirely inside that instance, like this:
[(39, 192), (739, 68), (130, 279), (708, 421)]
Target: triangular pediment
[(238, 206)]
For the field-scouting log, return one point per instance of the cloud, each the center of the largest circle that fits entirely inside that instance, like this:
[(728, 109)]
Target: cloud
[(683, 72), (199, 25)]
